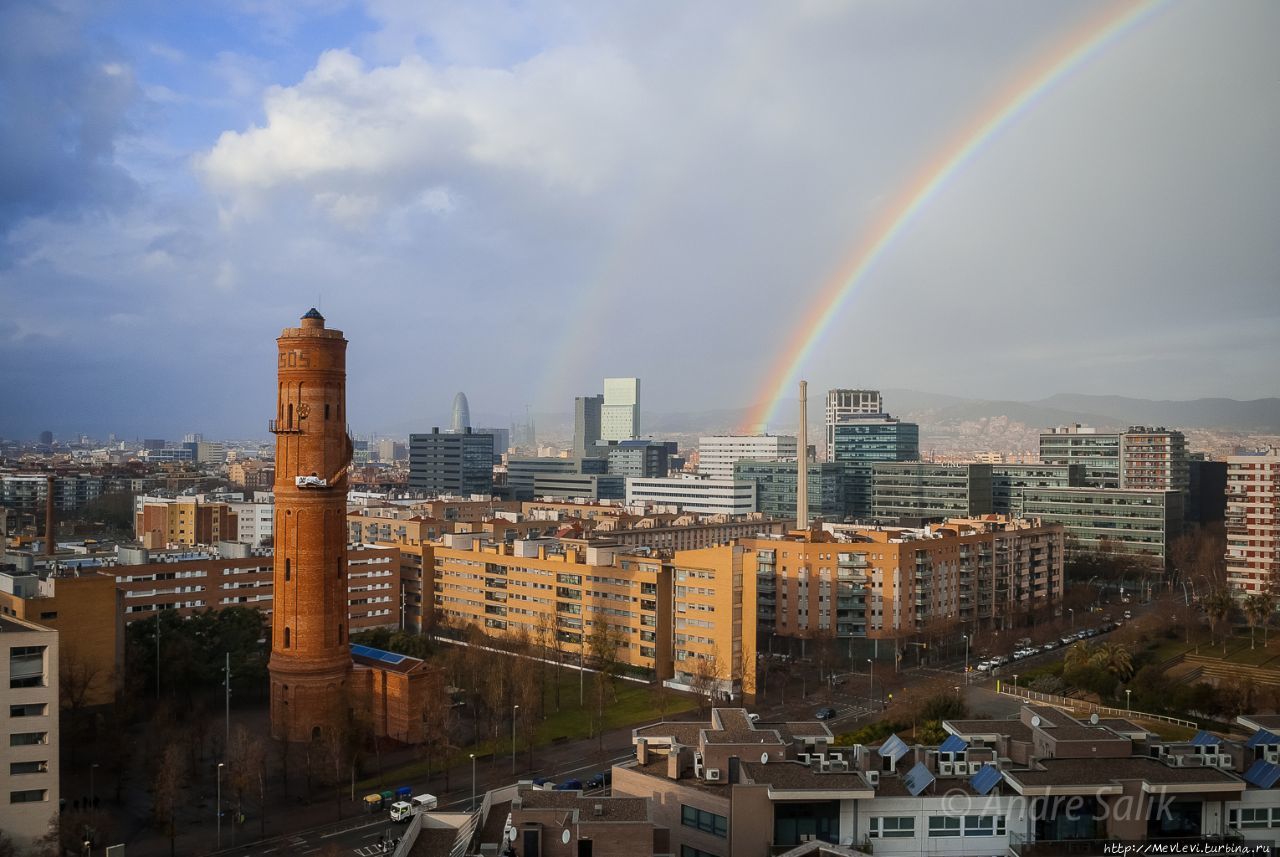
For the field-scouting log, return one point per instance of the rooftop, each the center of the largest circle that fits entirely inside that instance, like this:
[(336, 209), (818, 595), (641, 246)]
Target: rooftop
[(1089, 772), (611, 808)]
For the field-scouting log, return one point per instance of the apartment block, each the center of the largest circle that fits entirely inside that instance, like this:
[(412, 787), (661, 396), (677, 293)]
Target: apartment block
[(29, 784), (694, 494), (718, 454), (1253, 522), (445, 463), (1154, 459), (236, 575), (1099, 452), (161, 522), (883, 583), (1140, 523), (918, 492), (84, 609), (776, 488)]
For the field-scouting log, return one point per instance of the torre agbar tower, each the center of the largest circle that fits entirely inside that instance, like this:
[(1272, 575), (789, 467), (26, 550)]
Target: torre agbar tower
[(311, 663)]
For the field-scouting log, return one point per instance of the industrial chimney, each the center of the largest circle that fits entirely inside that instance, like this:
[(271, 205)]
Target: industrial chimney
[(802, 477), (50, 542)]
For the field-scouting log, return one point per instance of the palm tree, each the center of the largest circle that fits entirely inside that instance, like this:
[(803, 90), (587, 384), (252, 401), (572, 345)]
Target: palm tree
[(1218, 606), (1079, 655), (1256, 609), (1115, 659)]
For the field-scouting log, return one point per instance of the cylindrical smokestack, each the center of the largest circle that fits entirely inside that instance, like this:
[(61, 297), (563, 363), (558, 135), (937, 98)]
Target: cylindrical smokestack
[(50, 544), (802, 476)]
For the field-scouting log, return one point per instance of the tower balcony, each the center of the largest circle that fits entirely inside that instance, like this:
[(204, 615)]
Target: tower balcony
[(280, 427)]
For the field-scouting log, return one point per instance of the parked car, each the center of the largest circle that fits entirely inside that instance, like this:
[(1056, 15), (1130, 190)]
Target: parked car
[(569, 786), (825, 714), (984, 666), (1048, 647), (753, 717), (600, 780), (1068, 640)]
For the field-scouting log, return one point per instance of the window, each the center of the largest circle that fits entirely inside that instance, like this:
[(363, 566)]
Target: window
[(944, 825), (28, 768), (892, 827), (29, 796), (286, 638), (26, 666), (690, 851), (700, 819), (984, 825), (288, 569), (26, 739), (29, 709), (1253, 817)]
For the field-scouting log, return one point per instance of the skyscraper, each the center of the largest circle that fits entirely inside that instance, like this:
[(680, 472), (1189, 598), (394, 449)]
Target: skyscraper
[(620, 413), (446, 463), (847, 403), (461, 420), (310, 660), (859, 441), (586, 425)]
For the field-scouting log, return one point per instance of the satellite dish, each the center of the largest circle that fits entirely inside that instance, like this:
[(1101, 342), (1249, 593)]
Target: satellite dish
[(1093, 718), (564, 837), (511, 834), (1035, 720), (764, 758)]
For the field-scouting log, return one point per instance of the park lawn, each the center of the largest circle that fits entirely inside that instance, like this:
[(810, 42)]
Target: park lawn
[(636, 704)]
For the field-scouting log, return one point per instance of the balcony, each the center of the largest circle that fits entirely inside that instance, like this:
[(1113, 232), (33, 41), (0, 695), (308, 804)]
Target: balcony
[(280, 427)]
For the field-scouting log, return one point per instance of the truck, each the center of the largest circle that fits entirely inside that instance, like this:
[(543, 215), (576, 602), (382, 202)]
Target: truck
[(404, 810)]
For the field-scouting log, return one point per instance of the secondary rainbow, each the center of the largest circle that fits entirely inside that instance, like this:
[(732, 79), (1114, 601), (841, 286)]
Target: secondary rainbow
[(1073, 51)]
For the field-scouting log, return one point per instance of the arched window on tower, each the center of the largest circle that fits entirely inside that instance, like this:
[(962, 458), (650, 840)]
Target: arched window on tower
[(339, 635), (289, 423), (287, 637), (288, 570)]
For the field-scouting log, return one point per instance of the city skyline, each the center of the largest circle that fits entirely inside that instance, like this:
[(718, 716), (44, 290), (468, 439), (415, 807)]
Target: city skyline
[(193, 211)]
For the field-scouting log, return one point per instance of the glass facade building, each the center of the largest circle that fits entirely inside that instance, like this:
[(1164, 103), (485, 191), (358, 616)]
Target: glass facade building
[(860, 442), (918, 491), (776, 488), (444, 463)]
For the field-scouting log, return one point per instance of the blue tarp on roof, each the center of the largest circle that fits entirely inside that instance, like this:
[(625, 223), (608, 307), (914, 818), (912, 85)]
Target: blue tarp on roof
[(376, 654), (918, 779), (953, 744), (1205, 739), (1263, 774), (986, 779), (895, 748), (1264, 738)]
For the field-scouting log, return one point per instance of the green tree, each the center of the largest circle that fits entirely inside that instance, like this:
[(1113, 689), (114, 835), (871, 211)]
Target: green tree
[(1218, 606), (1258, 608)]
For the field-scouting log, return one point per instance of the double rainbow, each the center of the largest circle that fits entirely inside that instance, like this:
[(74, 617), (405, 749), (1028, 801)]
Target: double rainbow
[(1075, 50)]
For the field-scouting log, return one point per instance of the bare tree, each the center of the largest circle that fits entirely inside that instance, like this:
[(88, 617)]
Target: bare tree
[(705, 678), (171, 776), (246, 759), (548, 635)]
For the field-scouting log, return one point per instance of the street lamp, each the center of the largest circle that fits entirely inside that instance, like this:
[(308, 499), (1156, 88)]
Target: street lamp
[(1015, 682), (1128, 699), (514, 709), (871, 684), (92, 793), (966, 658), (473, 782), (219, 809), (1072, 611)]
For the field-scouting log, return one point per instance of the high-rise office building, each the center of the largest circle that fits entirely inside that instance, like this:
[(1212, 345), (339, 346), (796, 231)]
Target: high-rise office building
[(620, 413), (501, 441), (842, 404), (914, 492), (461, 418), (777, 487), (1253, 521), (860, 441), (1099, 452), (1137, 522), (693, 494), (647, 458), (586, 425), (443, 463), (717, 454)]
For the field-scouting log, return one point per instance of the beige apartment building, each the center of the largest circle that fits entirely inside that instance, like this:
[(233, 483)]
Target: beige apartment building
[(1253, 521), (163, 521), (885, 583), (29, 747)]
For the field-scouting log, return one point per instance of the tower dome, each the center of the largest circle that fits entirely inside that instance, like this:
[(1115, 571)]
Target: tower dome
[(461, 414)]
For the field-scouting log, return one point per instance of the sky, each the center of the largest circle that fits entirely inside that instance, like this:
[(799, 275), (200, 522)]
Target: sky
[(519, 199)]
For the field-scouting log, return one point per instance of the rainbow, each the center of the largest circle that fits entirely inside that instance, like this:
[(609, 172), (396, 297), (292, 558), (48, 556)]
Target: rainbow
[(1072, 52)]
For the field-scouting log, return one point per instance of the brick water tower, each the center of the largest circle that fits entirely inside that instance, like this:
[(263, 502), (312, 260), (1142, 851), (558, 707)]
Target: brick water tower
[(310, 655)]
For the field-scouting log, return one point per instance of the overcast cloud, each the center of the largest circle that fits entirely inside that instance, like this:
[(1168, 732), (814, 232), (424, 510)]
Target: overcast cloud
[(516, 200)]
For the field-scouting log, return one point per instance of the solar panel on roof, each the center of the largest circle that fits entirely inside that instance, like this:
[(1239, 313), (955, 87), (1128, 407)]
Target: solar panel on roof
[(1264, 738), (391, 657), (918, 779), (953, 744), (986, 779), (1263, 774), (895, 748), (1205, 739)]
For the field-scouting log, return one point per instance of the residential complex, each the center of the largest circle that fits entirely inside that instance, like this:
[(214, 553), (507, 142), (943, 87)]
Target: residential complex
[(1253, 522), (29, 784), (457, 464), (718, 454)]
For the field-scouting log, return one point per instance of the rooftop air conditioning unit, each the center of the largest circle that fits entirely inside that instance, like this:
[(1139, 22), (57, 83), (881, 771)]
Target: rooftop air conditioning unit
[(713, 774), (873, 777), (946, 769), (803, 757)]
